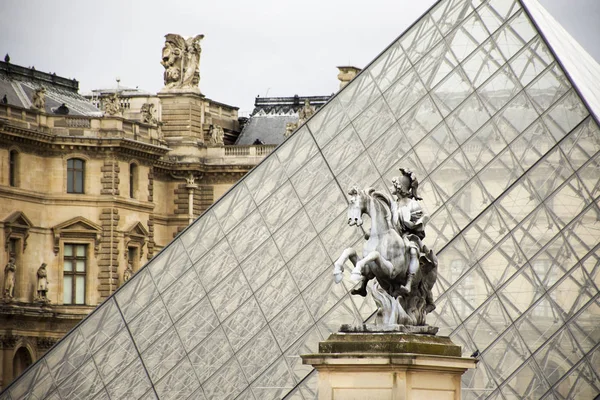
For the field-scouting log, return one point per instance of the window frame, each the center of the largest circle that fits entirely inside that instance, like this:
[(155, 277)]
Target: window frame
[(133, 179), (72, 175), (74, 273), (13, 168)]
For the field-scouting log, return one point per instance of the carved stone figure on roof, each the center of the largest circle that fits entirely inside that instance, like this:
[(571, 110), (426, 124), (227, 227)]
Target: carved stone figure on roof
[(39, 99), (401, 268), (290, 127), (305, 112), (42, 284), (9, 279), (216, 135), (181, 60), (112, 104), (147, 112)]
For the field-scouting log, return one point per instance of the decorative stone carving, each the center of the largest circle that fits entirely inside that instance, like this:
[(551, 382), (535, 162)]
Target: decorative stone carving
[(39, 99), (290, 127), (127, 273), (402, 268), (181, 60), (9, 279), (42, 284), (147, 112), (9, 341), (77, 228), (305, 112), (216, 134), (45, 343), (112, 105)]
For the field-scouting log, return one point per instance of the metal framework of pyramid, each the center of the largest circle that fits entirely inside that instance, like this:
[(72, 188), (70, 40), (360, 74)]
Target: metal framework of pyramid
[(496, 111)]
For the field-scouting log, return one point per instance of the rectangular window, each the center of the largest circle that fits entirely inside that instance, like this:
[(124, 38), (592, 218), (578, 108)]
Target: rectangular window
[(12, 168), (12, 248), (132, 180), (74, 270), (75, 174)]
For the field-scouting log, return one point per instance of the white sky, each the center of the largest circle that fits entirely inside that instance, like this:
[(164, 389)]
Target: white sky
[(259, 47)]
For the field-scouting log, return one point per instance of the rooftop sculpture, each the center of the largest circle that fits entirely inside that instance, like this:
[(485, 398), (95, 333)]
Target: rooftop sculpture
[(402, 269), (181, 59)]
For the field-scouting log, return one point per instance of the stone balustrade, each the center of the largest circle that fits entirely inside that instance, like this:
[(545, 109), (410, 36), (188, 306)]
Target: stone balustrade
[(81, 126), (110, 127)]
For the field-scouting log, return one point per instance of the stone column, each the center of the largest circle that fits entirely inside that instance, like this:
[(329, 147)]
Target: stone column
[(398, 366), (182, 120)]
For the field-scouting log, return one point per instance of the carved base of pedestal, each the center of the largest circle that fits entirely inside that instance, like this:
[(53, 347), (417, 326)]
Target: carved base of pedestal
[(373, 328), (388, 365), (179, 91)]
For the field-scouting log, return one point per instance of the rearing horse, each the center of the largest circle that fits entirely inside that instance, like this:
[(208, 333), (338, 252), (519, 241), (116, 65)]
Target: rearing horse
[(385, 257)]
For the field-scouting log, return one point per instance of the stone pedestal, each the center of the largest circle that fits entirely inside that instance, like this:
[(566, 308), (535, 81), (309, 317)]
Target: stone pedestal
[(390, 366), (182, 118)]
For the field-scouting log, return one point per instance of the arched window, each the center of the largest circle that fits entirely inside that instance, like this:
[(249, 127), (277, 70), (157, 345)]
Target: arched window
[(133, 179), (21, 361), (13, 165), (75, 175)]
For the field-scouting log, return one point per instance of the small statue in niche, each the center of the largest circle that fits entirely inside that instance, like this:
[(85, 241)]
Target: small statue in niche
[(217, 135), (42, 284), (39, 99), (9, 279), (127, 273), (112, 105), (147, 111)]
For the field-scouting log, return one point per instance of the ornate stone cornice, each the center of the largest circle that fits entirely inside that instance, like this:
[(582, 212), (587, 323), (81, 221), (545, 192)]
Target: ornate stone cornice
[(44, 343), (41, 142), (9, 341)]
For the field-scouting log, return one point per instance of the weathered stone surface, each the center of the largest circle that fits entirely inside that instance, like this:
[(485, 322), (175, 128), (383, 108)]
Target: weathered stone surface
[(389, 343), (373, 328)]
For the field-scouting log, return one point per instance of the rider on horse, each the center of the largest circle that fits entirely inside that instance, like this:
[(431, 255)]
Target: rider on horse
[(409, 219)]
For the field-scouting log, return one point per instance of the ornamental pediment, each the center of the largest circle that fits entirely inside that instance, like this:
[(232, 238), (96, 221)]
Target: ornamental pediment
[(77, 228), (78, 224), (16, 225), (18, 219), (137, 230)]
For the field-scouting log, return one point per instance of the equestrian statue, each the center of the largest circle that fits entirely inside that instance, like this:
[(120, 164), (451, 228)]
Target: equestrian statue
[(401, 268)]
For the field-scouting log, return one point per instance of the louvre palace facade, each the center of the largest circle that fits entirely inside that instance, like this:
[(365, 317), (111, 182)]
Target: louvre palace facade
[(90, 186), (495, 108)]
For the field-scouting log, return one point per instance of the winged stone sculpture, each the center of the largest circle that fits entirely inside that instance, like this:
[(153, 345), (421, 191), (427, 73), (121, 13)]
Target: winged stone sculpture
[(181, 60)]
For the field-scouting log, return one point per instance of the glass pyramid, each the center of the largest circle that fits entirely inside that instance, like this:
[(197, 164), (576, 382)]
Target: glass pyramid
[(473, 99)]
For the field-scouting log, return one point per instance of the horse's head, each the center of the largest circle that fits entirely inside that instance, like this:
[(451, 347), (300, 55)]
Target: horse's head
[(357, 206)]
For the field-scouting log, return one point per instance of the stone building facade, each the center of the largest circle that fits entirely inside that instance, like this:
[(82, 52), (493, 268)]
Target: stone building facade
[(89, 191)]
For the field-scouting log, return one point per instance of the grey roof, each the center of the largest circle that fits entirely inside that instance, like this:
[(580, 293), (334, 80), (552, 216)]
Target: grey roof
[(270, 116), (122, 91), (268, 128), (19, 84)]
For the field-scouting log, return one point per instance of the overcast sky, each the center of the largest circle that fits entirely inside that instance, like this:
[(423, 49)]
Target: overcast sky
[(258, 47)]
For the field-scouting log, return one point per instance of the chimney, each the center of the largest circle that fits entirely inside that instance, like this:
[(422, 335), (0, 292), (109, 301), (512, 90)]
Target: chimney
[(347, 74)]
